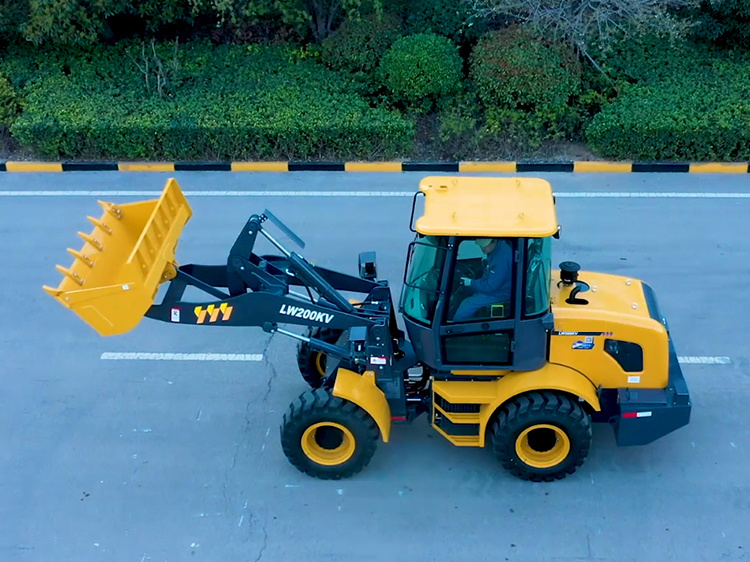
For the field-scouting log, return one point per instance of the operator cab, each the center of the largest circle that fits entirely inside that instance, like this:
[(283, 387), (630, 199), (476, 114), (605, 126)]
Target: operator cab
[(476, 287)]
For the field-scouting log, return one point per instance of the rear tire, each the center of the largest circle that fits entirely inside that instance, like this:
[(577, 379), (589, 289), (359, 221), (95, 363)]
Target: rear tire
[(328, 437), (541, 436), (312, 364)]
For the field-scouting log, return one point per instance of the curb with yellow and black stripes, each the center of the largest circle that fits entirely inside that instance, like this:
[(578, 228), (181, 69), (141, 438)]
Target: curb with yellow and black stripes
[(439, 167)]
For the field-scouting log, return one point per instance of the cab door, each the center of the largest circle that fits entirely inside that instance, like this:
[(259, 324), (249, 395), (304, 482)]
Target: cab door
[(507, 329)]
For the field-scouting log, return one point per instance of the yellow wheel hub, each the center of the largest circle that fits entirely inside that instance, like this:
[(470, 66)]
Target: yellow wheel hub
[(542, 446), (328, 443), (320, 364)]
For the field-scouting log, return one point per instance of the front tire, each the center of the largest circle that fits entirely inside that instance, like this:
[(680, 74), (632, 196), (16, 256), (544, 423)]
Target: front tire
[(541, 436), (311, 363), (328, 437)]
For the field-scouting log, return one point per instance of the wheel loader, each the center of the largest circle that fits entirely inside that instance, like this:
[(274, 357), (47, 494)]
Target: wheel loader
[(525, 370)]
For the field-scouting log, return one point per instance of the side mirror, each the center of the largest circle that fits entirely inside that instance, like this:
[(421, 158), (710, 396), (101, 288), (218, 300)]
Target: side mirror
[(368, 268)]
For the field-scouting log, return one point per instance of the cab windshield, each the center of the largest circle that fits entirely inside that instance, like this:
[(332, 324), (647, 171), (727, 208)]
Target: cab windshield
[(422, 281)]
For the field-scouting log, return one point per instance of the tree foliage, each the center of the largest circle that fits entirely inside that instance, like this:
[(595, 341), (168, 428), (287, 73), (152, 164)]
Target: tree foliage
[(87, 21), (450, 18), (725, 23), (317, 17), (586, 25)]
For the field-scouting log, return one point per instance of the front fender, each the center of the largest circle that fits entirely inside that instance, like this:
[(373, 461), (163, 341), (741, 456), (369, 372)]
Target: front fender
[(362, 391)]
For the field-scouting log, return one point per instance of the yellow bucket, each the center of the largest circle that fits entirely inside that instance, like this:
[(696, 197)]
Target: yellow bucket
[(115, 276)]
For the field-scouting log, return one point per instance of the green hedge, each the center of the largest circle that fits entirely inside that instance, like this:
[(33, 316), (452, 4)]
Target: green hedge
[(219, 103), (420, 69), (696, 116)]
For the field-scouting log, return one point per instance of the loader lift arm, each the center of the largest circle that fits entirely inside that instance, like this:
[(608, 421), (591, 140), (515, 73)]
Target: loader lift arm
[(253, 290)]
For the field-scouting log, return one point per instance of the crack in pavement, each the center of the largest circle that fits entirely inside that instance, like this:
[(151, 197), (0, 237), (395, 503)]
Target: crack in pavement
[(246, 429), (271, 366), (263, 547)]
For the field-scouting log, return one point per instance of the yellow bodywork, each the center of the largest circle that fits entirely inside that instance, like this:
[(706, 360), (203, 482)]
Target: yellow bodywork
[(490, 395), (617, 309), (362, 391), (488, 207), (115, 276)]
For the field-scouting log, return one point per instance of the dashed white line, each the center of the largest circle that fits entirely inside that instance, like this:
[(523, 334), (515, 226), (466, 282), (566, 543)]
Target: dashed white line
[(652, 195), (256, 357), (702, 360), (137, 356)]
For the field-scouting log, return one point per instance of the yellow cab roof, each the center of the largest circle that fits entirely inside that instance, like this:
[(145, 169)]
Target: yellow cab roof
[(491, 207)]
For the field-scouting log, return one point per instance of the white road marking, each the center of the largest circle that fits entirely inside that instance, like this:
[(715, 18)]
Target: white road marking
[(256, 357), (652, 195), (269, 193), (242, 518), (137, 356), (705, 360)]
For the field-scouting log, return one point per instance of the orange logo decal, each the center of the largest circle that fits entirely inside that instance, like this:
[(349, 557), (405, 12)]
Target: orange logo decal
[(213, 313)]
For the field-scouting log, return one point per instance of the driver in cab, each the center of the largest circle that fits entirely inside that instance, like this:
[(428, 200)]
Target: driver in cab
[(494, 286)]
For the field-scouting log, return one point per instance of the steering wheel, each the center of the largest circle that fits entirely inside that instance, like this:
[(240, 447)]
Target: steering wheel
[(429, 284), (463, 269), (458, 290)]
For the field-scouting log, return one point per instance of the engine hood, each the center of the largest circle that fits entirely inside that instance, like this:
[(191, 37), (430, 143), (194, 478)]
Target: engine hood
[(617, 309), (607, 298)]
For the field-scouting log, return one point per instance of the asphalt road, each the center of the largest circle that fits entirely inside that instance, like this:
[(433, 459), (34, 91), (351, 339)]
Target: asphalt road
[(172, 461)]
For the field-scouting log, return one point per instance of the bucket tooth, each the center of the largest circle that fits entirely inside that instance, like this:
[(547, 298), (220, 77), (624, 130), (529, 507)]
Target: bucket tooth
[(91, 240), (82, 257), (112, 209), (72, 274), (55, 292), (100, 224)]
